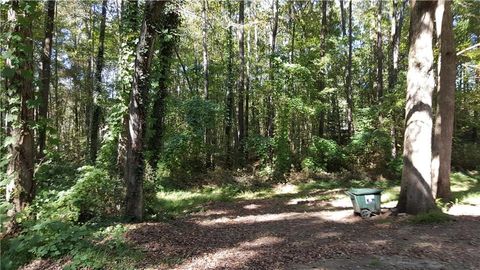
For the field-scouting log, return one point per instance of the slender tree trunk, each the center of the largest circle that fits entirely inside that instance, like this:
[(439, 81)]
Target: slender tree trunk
[(273, 42), (416, 194), (241, 80), (247, 85), (134, 167), (21, 188), (379, 52), (45, 76), (395, 34), (208, 130), (342, 14), (443, 131), (96, 113), (348, 84), (229, 97)]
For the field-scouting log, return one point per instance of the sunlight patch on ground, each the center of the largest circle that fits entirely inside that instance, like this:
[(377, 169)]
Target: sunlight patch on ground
[(342, 202), (285, 189), (250, 219), (252, 206), (238, 255), (464, 210)]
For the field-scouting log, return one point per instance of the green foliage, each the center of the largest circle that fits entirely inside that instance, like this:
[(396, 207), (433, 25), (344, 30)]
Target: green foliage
[(434, 216), (466, 156), (94, 194), (324, 155), (88, 246), (369, 150)]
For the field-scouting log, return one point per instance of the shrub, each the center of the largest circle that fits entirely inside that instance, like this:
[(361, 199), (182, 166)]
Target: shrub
[(94, 194), (324, 155), (369, 150)]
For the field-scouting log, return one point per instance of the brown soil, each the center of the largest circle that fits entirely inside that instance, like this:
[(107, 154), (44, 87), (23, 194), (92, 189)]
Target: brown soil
[(282, 233)]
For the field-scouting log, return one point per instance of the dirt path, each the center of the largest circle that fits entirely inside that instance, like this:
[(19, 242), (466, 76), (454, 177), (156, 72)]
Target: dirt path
[(284, 233)]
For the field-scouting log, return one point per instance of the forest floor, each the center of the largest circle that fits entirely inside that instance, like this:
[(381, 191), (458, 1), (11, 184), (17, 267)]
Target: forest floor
[(306, 226)]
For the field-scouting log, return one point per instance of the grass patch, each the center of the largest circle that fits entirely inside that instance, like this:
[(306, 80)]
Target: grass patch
[(466, 188), (431, 217)]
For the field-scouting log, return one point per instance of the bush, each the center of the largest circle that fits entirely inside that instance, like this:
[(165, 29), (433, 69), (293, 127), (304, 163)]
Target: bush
[(466, 156), (95, 194), (324, 155), (370, 151)]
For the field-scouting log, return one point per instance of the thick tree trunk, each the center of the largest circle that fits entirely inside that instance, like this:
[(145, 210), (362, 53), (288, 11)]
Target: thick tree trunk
[(96, 112), (21, 188), (443, 130), (241, 80), (134, 167), (171, 21), (45, 76), (348, 83), (416, 194)]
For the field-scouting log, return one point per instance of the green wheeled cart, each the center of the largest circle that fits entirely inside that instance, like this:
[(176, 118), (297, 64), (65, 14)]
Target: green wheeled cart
[(366, 201)]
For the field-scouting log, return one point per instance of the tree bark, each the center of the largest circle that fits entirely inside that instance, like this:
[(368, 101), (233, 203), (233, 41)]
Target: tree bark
[(96, 112), (21, 188), (134, 167), (45, 76), (416, 194), (443, 130)]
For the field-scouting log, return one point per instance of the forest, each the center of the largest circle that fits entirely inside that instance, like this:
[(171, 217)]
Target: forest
[(224, 134)]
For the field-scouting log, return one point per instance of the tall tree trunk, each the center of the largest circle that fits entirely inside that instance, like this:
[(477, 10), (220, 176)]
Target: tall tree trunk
[(443, 131), (21, 188), (342, 14), (128, 26), (241, 80), (229, 97), (416, 194), (273, 42), (134, 167), (348, 83), (395, 34), (171, 21), (208, 130), (96, 113), (247, 84), (45, 76), (379, 52)]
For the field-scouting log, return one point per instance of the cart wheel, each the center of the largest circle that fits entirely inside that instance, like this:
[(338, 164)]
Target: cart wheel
[(365, 213)]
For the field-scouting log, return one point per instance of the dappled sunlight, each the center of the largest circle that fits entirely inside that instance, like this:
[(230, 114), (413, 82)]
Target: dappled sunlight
[(285, 189), (464, 210), (250, 219), (251, 206), (231, 257)]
